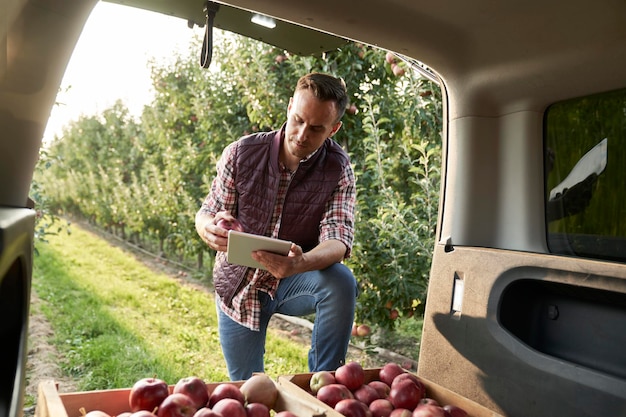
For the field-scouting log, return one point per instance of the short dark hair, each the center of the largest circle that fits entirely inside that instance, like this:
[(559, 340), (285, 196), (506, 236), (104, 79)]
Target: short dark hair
[(326, 87)]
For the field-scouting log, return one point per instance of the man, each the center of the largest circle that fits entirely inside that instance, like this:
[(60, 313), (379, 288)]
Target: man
[(296, 184)]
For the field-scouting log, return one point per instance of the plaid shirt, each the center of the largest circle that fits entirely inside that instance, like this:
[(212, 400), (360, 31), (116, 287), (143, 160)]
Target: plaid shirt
[(337, 223)]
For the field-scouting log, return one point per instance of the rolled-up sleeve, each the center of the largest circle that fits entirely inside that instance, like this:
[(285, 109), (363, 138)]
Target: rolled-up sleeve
[(223, 196), (338, 221)]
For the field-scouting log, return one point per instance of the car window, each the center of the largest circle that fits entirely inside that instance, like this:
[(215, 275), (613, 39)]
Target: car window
[(585, 163)]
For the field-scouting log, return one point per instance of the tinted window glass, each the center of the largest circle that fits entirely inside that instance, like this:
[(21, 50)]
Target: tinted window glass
[(585, 166)]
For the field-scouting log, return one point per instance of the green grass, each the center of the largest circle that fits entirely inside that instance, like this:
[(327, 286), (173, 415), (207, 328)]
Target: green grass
[(115, 320)]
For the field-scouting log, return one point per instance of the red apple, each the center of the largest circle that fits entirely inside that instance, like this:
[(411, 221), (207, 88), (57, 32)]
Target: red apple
[(351, 407), (400, 412), (389, 371), (230, 225), (320, 379), (260, 388), (226, 390), (366, 394), (406, 375), (333, 393), (354, 328), (351, 375), (206, 412), (382, 388), (147, 394), (229, 407), (398, 71), (405, 394), (257, 410), (428, 400), (429, 410), (177, 405), (455, 411), (363, 330), (195, 388), (381, 407)]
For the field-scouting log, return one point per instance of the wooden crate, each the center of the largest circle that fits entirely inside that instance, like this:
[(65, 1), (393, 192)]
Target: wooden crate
[(51, 403), (299, 384)]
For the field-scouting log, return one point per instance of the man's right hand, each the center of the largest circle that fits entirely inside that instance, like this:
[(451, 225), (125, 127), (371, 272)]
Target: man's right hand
[(213, 230)]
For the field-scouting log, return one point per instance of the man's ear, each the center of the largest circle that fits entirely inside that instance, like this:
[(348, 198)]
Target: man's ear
[(335, 129)]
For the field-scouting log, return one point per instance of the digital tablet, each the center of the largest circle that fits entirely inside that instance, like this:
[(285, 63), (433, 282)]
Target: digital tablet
[(241, 245)]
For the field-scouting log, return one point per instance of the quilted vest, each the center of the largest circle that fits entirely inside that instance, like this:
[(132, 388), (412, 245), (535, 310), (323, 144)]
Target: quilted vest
[(257, 175)]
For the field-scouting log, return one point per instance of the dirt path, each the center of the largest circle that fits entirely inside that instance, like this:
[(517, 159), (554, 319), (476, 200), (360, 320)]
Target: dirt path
[(42, 362)]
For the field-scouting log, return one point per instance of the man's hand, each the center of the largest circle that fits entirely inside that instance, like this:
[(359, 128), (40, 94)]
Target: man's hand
[(281, 266), (318, 258), (216, 237)]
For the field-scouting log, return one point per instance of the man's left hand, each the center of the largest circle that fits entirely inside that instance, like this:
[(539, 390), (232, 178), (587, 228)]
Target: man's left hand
[(281, 266)]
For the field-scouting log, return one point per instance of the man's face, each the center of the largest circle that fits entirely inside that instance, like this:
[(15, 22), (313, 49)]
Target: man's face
[(309, 122)]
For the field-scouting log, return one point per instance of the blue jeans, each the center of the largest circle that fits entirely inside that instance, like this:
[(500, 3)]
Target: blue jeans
[(330, 294)]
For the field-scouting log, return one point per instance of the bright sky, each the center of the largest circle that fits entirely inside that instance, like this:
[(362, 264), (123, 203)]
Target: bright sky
[(110, 61)]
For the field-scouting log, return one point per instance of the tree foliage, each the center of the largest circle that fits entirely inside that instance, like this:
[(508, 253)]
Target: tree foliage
[(145, 179)]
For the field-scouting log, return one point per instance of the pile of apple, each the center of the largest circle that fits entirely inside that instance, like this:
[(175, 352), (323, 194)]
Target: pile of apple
[(396, 393), (190, 397)]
